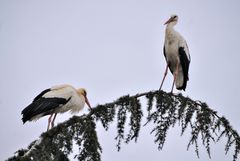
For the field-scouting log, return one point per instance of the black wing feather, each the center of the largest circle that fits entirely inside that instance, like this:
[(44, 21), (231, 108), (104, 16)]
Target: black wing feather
[(41, 94), (43, 106), (36, 98), (164, 51), (185, 66)]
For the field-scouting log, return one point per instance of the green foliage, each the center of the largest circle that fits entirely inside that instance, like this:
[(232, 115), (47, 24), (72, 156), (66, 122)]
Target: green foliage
[(204, 122), (57, 143), (164, 110)]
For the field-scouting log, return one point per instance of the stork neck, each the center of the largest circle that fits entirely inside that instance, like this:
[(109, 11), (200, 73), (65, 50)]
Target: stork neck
[(170, 28)]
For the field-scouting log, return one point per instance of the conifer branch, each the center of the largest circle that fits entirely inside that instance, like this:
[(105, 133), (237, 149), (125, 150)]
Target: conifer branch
[(164, 110)]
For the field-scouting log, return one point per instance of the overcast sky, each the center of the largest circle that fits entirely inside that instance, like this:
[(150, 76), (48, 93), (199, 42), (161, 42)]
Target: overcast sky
[(113, 48)]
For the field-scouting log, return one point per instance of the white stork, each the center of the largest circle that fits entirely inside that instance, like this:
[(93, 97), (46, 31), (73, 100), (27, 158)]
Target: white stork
[(176, 54), (57, 99)]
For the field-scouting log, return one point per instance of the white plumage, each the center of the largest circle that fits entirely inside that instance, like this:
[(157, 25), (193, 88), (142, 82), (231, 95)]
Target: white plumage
[(57, 99), (176, 54), (74, 105)]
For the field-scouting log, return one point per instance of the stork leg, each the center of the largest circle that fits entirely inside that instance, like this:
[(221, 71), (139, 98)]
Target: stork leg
[(175, 77), (164, 76), (54, 119), (49, 121)]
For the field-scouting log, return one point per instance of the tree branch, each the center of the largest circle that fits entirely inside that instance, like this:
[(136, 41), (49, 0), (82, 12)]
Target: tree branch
[(164, 110)]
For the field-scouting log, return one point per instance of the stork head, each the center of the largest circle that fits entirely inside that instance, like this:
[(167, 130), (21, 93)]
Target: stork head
[(83, 92), (172, 20)]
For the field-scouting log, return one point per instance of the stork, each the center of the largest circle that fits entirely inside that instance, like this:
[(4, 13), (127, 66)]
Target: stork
[(54, 100), (176, 54)]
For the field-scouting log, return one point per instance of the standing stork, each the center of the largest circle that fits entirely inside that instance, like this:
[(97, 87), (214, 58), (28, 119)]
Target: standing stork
[(176, 54), (57, 99)]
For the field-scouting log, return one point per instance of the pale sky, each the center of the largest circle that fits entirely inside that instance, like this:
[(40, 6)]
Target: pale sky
[(113, 48)]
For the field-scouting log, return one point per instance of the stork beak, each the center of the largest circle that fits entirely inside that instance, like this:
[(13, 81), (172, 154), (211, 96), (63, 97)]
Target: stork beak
[(168, 21), (87, 102)]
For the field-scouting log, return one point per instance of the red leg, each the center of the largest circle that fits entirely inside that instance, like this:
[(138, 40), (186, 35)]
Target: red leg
[(174, 78), (164, 76), (54, 119), (49, 121)]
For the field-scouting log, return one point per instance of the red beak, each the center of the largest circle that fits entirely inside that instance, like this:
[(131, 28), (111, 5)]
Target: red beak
[(170, 20), (87, 102)]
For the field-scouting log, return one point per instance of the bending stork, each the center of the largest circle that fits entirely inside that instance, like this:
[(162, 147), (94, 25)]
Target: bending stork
[(52, 101), (176, 54)]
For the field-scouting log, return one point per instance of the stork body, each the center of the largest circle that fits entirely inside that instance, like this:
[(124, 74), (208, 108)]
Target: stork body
[(176, 54), (57, 99)]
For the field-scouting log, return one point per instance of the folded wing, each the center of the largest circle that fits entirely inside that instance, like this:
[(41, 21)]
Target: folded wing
[(47, 102)]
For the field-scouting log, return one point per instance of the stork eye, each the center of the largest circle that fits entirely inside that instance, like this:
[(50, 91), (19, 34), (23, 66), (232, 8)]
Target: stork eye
[(174, 16)]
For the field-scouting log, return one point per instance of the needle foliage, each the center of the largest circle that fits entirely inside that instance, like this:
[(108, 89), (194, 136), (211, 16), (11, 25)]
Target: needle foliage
[(164, 111)]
